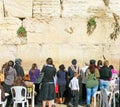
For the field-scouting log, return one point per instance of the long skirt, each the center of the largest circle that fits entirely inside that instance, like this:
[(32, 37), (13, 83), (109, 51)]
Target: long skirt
[(47, 91)]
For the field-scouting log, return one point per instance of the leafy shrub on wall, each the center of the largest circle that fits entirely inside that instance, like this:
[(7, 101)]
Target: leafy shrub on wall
[(91, 25), (21, 32)]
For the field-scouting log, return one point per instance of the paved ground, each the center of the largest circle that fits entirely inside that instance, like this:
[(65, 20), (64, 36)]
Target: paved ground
[(61, 105)]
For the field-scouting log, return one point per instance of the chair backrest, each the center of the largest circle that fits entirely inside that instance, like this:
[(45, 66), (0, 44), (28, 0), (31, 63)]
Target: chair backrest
[(30, 93), (2, 102), (114, 98), (0, 96), (18, 93), (98, 98), (110, 95)]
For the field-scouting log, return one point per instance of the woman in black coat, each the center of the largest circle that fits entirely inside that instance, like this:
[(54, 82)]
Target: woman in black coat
[(47, 93)]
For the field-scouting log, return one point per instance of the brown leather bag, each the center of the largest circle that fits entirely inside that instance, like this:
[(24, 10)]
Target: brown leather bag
[(2, 77)]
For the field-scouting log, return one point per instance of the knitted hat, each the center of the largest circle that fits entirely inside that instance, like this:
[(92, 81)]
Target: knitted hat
[(18, 60)]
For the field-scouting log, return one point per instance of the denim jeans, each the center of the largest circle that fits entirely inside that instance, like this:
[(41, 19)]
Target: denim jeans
[(90, 93), (104, 84)]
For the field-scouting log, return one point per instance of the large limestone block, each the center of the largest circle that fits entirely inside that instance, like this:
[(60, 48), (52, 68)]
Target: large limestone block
[(8, 30), (18, 8), (9, 23), (80, 7), (46, 8), (7, 52), (29, 53), (115, 6)]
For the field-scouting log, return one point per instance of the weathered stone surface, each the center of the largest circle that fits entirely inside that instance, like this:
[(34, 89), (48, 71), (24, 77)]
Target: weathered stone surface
[(7, 52), (1, 9), (115, 6), (60, 38), (8, 31), (18, 8)]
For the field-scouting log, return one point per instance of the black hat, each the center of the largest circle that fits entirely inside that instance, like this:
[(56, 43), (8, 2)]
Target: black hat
[(74, 61), (92, 61)]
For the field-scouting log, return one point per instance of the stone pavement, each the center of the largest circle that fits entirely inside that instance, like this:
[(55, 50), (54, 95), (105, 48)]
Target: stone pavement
[(59, 105)]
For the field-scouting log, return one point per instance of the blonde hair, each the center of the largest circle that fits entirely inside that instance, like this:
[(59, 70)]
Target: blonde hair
[(106, 63), (75, 74)]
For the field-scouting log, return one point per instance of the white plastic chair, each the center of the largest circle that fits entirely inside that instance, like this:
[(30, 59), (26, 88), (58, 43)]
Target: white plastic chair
[(114, 101), (3, 103), (110, 95), (19, 95), (98, 98), (30, 93)]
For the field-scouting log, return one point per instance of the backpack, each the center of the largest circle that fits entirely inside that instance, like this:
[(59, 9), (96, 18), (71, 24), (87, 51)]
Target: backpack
[(91, 81)]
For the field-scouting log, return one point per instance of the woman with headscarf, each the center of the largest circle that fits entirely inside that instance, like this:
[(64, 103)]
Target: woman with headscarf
[(92, 69), (18, 67), (47, 93)]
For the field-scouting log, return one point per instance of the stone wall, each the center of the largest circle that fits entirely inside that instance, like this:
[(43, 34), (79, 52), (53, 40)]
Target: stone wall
[(63, 38)]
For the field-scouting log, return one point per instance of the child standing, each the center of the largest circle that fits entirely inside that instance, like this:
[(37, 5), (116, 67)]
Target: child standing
[(74, 86)]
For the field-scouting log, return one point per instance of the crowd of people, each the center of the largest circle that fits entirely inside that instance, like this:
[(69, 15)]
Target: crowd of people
[(64, 86)]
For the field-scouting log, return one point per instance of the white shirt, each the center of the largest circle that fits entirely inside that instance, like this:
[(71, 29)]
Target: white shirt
[(74, 84), (83, 74)]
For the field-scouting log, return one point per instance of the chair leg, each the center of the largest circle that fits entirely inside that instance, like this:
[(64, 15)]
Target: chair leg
[(27, 103), (3, 105), (23, 104), (14, 104)]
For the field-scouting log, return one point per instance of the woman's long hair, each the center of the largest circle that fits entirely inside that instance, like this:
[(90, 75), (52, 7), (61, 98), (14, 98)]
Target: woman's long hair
[(34, 65), (49, 61), (92, 68), (7, 67)]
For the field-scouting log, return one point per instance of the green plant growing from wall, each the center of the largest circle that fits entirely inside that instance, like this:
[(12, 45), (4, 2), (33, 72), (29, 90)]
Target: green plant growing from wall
[(21, 32), (116, 29), (91, 25)]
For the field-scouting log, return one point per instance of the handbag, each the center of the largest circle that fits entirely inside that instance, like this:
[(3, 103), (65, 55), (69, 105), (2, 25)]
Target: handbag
[(56, 88), (40, 78), (91, 81), (2, 77)]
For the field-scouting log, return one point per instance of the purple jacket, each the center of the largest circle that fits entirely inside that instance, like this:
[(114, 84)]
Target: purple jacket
[(61, 77), (34, 76)]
